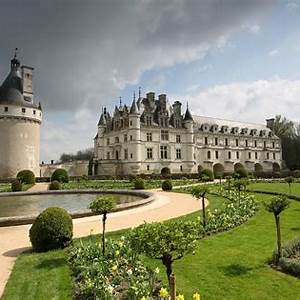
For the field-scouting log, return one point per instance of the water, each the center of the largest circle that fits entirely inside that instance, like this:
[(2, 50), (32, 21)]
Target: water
[(11, 206)]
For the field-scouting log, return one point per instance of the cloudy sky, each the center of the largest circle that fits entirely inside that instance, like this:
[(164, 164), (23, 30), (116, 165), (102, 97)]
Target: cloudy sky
[(227, 58)]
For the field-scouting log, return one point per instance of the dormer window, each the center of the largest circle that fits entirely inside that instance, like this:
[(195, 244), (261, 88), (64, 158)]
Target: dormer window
[(148, 120), (224, 129), (205, 127), (23, 110), (6, 109), (214, 128), (245, 131), (177, 123), (254, 132), (235, 130)]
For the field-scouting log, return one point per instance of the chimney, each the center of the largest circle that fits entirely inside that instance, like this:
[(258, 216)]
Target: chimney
[(270, 123), (177, 107), (27, 74), (150, 96)]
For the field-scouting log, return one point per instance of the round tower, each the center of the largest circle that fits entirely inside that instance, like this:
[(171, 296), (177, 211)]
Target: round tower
[(20, 121)]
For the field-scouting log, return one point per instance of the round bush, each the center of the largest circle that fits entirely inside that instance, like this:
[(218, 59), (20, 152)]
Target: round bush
[(16, 186), (60, 175), (241, 173), (207, 174), (139, 184), (26, 176), (52, 229), (167, 185), (54, 185), (296, 173)]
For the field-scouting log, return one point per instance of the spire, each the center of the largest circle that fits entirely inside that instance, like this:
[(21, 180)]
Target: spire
[(15, 63), (139, 92), (102, 120), (188, 115), (134, 109), (120, 101)]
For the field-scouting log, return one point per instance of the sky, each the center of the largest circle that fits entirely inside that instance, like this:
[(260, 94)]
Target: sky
[(231, 59)]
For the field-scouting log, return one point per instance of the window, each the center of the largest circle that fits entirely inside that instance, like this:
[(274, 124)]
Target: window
[(163, 152), (237, 155), (216, 141), (237, 142), (208, 154), (178, 138), (130, 123), (273, 144), (131, 155), (181, 168), (265, 144), (107, 141), (116, 139), (256, 156), (205, 140), (148, 167), (149, 120), (164, 135), (246, 143), (34, 112), (107, 155), (125, 153), (6, 109), (125, 137), (268, 155), (226, 142), (229, 155), (149, 137), (255, 143), (23, 110), (117, 155), (274, 156), (249, 155), (178, 153), (149, 153), (217, 154), (131, 138), (177, 123)]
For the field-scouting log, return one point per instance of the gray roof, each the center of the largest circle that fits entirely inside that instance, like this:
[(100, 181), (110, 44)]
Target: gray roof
[(199, 120), (134, 108), (188, 115)]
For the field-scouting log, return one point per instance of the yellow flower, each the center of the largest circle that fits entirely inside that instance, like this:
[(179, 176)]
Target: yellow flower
[(196, 296), (117, 252), (114, 268), (180, 297), (163, 293), (156, 270), (143, 298)]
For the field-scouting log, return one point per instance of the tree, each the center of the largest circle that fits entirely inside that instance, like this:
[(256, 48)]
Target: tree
[(289, 180), (239, 184), (102, 206), (168, 241), (276, 206), (199, 192), (283, 127)]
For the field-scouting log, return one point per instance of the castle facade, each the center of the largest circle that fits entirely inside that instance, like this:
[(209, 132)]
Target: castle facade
[(20, 121), (154, 137)]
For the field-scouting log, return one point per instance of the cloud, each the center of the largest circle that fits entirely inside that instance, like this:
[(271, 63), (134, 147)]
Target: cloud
[(252, 101), (274, 52), (292, 5)]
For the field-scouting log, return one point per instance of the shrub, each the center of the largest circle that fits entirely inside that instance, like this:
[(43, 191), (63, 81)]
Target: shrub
[(60, 175), (240, 173), (139, 184), (26, 176), (296, 173), (207, 175), (55, 185), (16, 186), (52, 229), (167, 185)]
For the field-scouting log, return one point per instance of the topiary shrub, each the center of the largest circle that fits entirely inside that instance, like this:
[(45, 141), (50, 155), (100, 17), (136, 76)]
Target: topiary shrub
[(60, 175), (167, 185), (207, 175), (139, 184), (54, 185), (52, 229), (241, 173), (296, 173), (26, 176), (16, 186)]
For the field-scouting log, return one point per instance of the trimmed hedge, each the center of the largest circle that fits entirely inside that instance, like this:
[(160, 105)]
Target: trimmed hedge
[(241, 173), (207, 175), (54, 185), (52, 229), (291, 196), (60, 175), (167, 185), (26, 176), (139, 184), (16, 186)]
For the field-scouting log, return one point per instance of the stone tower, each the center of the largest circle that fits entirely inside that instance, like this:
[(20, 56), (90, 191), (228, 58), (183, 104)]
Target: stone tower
[(20, 121)]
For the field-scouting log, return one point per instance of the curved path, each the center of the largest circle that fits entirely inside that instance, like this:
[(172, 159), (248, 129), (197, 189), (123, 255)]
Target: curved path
[(166, 205)]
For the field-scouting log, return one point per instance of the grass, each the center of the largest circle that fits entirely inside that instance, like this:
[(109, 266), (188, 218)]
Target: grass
[(276, 186), (231, 265), (6, 187), (121, 184)]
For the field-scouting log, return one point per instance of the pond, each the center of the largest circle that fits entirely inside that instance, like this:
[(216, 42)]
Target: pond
[(27, 205)]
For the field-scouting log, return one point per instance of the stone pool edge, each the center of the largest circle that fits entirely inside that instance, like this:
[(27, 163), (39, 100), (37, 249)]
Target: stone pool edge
[(148, 198)]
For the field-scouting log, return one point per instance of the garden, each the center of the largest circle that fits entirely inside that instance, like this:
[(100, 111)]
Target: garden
[(244, 243)]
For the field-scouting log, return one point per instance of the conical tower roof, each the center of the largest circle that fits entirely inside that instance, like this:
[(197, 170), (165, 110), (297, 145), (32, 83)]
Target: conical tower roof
[(134, 108), (188, 115)]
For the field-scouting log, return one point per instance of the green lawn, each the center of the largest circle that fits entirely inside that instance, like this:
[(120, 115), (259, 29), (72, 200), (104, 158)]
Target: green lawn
[(6, 187), (230, 265), (276, 186)]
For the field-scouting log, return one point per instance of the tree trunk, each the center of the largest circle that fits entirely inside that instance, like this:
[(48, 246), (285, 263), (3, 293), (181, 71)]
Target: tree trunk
[(277, 220), (239, 195), (173, 286), (290, 188), (167, 261), (203, 212), (103, 233)]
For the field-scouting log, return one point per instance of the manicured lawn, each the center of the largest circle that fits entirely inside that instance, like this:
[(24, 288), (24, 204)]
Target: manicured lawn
[(230, 265), (120, 184), (6, 187), (276, 186)]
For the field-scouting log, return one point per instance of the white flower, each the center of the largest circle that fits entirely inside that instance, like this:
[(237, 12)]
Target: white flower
[(156, 270), (129, 272), (110, 289)]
